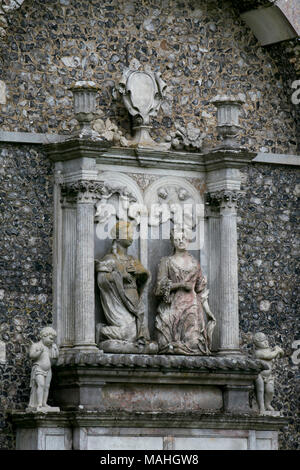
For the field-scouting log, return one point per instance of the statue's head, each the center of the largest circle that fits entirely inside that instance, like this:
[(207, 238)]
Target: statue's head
[(260, 340), (182, 194), (123, 233), (162, 193), (180, 237), (48, 335)]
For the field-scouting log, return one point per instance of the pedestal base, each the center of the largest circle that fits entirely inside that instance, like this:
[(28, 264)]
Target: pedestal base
[(136, 401), (147, 431), (153, 383)]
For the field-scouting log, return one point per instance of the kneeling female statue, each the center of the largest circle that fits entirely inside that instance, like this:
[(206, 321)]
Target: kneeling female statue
[(181, 325), (122, 279)]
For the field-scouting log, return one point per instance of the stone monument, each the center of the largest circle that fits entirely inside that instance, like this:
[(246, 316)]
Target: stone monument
[(116, 388)]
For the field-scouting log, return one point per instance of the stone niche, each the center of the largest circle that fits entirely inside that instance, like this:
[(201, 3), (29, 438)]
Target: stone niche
[(124, 398)]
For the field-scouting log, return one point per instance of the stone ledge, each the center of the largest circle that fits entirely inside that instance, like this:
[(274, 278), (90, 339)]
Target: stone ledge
[(158, 362), (200, 420), (133, 157)]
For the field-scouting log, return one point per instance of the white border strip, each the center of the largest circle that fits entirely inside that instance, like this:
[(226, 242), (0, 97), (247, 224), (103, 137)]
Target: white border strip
[(30, 137), (277, 159)]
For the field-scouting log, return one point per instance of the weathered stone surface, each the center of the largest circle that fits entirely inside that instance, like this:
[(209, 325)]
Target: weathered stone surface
[(94, 430)]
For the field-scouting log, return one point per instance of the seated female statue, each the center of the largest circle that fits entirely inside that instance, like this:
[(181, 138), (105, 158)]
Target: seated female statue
[(181, 325)]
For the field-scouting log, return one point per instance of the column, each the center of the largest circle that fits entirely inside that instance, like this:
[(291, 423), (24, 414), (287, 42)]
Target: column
[(228, 272), (213, 248), (68, 270), (84, 296)]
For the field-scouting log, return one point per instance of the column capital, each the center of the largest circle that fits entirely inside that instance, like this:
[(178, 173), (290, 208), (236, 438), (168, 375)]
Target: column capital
[(223, 199), (83, 191)]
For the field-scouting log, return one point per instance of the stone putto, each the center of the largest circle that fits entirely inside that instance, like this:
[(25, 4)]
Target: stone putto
[(43, 354), (265, 380)]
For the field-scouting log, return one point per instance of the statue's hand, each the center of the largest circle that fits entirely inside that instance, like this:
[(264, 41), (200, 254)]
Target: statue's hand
[(188, 286), (280, 351), (36, 350), (126, 276), (131, 268)]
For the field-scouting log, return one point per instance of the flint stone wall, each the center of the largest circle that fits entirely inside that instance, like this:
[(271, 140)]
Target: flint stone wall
[(200, 47)]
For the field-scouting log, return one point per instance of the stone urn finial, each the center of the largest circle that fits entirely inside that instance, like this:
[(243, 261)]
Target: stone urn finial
[(228, 113), (142, 95), (84, 96)]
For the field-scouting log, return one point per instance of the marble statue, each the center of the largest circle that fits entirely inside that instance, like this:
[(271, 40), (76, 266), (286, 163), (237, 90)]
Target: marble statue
[(43, 354), (184, 323), (122, 279), (265, 381)]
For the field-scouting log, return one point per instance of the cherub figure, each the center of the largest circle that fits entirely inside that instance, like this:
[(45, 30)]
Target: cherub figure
[(265, 380), (42, 353)]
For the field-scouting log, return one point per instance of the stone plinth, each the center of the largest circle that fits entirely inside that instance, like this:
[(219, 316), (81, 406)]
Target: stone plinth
[(156, 383), (111, 430)]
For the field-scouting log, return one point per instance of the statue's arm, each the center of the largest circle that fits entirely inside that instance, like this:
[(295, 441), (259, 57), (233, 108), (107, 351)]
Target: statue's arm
[(163, 281), (268, 353), (142, 275), (201, 282), (35, 351), (54, 352)]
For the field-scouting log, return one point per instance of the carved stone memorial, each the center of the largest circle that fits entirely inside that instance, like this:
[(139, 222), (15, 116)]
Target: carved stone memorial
[(145, 289), (142, 93)]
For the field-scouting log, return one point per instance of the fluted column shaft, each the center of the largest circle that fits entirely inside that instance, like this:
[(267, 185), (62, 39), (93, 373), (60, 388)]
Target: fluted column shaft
[(79, 317), (84, 278), (228, 273), (68, 274)]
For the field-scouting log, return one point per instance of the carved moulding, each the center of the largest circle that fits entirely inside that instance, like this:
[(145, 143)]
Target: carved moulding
[(176, 362), (189, 138)]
